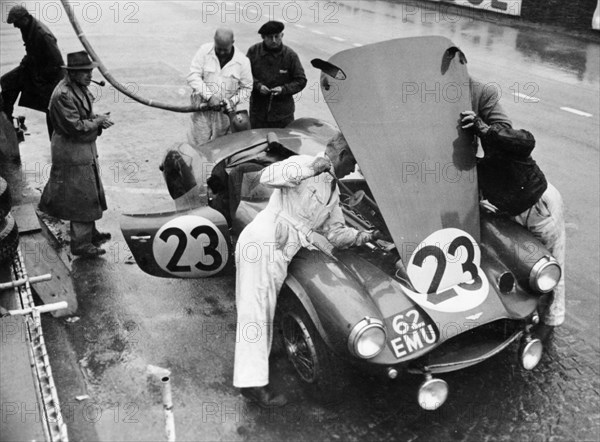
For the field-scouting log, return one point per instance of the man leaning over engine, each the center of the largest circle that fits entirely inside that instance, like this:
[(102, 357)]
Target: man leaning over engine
[(303, 211)]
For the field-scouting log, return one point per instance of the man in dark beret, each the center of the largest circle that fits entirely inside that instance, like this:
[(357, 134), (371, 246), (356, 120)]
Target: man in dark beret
[(40, 70), (278, 75)]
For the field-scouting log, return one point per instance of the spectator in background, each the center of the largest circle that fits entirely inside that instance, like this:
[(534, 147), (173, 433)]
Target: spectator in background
[(278, 75), (40, 70)]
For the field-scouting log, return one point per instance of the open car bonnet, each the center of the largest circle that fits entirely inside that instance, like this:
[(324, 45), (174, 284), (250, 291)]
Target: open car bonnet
[(398, 104)]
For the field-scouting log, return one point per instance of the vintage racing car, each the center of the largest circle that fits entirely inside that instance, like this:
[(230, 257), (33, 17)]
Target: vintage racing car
[(451, 287)]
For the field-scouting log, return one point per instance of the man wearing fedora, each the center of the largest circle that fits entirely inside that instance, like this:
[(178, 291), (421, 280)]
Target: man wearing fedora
[(74, 191), (40, 70), (278, 75)]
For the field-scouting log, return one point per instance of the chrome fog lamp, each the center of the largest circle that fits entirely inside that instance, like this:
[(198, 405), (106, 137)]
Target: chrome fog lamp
[(530, 353), (545, 274), (432, 393), (367, 338)]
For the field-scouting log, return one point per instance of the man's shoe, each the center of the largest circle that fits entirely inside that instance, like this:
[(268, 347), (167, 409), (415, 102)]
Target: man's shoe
[(88, 251), (100, 238), (543, 332), (263, 397)]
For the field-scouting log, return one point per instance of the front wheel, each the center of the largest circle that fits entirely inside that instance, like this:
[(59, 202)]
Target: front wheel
[(314, 362)]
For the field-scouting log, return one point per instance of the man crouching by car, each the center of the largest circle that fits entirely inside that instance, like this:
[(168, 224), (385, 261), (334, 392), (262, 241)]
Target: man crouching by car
[(305, 201), (511, 181)]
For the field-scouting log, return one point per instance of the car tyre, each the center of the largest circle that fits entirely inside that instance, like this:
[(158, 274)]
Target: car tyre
[(9, 238), (5, 200), (314, 362)]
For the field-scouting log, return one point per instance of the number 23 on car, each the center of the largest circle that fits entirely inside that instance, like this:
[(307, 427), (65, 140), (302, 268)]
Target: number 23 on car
[(191, 245)]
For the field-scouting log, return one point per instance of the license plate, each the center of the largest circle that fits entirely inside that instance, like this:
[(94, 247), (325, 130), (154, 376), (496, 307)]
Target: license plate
[(410, 332)]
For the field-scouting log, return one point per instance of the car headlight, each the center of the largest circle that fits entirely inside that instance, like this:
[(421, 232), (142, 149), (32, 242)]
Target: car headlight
[(367, 338), (545, 274)]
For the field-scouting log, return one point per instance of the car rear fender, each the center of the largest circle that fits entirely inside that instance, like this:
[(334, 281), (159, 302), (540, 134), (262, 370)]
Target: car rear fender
[(188, 244)]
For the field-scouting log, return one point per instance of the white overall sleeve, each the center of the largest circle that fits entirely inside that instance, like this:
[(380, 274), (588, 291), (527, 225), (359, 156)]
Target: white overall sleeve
[(340, 235), (289, 172), (195, 78)]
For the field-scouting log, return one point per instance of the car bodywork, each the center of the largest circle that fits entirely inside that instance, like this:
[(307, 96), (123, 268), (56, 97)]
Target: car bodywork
[(450, 288)]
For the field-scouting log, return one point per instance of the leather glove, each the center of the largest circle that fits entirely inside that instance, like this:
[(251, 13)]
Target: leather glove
[(320, 165)]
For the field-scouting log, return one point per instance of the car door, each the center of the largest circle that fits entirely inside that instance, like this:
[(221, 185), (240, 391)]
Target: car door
[(190, 244)]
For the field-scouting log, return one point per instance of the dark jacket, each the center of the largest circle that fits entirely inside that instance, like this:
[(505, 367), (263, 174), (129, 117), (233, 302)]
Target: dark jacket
[(41, 67), (272, 69), (509, 178), (74, 191)]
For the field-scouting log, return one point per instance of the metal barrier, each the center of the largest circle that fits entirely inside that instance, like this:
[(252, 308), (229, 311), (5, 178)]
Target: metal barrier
[(54, 426)]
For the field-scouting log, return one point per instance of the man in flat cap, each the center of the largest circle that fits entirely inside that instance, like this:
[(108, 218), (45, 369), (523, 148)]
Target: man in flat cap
[(220, 76), (74, 191), (278, 75), (40, 70)]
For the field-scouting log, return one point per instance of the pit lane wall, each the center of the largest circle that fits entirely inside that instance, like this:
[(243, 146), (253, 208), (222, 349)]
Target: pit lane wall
[(581, 15)]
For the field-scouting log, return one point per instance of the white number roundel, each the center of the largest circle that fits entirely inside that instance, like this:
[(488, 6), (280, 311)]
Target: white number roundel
[(190, 246), (445, 272)]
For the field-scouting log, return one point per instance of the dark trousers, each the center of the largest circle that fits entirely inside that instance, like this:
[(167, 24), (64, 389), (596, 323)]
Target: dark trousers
[(82, 234), (12, 84)]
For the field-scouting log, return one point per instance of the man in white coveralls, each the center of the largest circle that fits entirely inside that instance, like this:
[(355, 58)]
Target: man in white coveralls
[(305, 201), (220, 75)]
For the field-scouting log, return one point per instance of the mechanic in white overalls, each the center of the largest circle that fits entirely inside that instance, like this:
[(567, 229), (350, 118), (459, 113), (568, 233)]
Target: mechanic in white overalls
[(305, 201), (220, 75)]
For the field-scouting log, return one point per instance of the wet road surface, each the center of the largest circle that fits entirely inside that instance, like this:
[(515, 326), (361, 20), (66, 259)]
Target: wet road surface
[(129, 320)]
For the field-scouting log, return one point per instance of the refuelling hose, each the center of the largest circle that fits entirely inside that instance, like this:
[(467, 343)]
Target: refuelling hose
[(90, 50)]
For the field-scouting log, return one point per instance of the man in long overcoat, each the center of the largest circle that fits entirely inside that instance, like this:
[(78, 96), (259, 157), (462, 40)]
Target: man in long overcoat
[(40, 70), (74, 191)]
